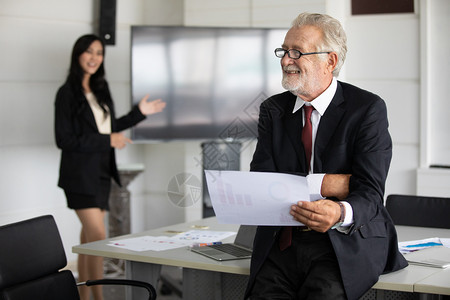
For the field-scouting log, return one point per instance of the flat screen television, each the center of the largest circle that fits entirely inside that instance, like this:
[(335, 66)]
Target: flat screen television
[(212, 79)]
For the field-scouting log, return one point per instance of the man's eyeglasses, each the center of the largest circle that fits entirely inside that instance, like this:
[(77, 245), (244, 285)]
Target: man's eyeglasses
[(294, 54)]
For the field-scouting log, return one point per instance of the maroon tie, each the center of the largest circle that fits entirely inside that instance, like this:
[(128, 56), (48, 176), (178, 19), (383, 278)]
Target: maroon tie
[(286, 232), (307, 134)]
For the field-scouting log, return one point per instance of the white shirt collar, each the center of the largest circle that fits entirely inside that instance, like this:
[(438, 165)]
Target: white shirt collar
[(320, 103)]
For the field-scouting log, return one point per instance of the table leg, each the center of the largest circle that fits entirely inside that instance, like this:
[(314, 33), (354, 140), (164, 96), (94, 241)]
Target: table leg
[(209, 285), (430, 297), (146, 272)]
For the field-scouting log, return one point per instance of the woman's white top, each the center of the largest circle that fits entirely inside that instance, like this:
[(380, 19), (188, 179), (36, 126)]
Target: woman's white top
[(102, 118)]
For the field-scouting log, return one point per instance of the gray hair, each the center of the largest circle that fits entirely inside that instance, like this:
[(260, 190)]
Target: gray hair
[(334, 37)]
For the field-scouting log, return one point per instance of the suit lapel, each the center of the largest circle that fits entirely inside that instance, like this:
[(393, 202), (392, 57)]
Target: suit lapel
[(87, 113), (327, 127), (293, 124)]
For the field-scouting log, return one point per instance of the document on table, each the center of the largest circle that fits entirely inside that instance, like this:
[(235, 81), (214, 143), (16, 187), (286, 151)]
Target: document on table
[(160, 243), (255, 198), (437, 256), (431, 252), (416, 245)]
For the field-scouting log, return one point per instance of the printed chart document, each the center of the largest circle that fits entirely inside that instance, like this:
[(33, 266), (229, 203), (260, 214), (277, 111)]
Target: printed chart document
[(160, 243), (416, 245), (255, 198), (431, 252)]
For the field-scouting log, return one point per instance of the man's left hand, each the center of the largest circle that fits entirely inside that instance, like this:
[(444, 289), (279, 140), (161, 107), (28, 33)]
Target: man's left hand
[(319, 215)]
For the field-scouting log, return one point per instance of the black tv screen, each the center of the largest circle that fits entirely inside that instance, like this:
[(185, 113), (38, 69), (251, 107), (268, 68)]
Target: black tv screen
[(212, 79)]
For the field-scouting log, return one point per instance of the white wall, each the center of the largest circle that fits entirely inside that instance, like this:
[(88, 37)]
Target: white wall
[(377, 62), (437, 24), (434, 120), (36, 38)]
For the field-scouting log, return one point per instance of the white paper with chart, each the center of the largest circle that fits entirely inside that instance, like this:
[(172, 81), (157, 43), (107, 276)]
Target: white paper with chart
[(255, 198)]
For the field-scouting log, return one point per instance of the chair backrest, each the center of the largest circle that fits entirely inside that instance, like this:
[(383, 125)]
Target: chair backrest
[(31, 256), (419, 210)]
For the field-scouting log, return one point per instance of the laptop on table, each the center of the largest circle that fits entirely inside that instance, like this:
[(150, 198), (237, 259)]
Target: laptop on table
[(240, 249)]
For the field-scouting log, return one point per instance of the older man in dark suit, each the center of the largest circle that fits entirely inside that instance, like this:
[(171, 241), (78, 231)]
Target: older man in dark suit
[(341, 246)]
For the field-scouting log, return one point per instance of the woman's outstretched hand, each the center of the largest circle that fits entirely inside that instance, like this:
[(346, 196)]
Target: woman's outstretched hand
[(151, 107)]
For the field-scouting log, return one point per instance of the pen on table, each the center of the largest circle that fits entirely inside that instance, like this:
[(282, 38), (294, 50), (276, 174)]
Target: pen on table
[(205, 244)]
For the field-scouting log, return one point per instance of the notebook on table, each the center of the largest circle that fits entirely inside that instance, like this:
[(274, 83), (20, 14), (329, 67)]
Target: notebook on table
[(240, 249), (436, 256)]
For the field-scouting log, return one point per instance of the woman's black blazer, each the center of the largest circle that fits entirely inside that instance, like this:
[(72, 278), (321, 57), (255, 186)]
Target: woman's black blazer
[(81, 143)]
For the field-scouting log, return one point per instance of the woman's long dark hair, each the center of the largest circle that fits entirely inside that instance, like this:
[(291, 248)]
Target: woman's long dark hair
[(97, 81)]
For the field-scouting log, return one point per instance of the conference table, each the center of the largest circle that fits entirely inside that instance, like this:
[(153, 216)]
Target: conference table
[(205, 278)]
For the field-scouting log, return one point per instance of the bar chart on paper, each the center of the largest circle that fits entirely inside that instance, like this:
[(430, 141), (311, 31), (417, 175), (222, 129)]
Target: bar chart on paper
[(255, 198)]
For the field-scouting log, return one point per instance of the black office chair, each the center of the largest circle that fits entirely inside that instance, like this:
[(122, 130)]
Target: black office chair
[(419, 210), (31, 257)]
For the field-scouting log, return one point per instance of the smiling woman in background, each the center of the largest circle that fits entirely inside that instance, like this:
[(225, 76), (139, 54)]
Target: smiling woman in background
[(87, 132)]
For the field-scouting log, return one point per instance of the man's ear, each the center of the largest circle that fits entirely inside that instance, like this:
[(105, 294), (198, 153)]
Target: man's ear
[(332, 61)]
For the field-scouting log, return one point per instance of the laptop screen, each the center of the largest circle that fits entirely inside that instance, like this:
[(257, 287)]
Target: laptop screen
[(245, 236)]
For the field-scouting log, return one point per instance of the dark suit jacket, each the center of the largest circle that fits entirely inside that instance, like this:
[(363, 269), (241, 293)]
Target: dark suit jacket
[(352, 138), (81, 143)]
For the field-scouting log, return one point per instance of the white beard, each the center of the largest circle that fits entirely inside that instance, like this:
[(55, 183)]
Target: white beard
[(301, 85), (291, 85)]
